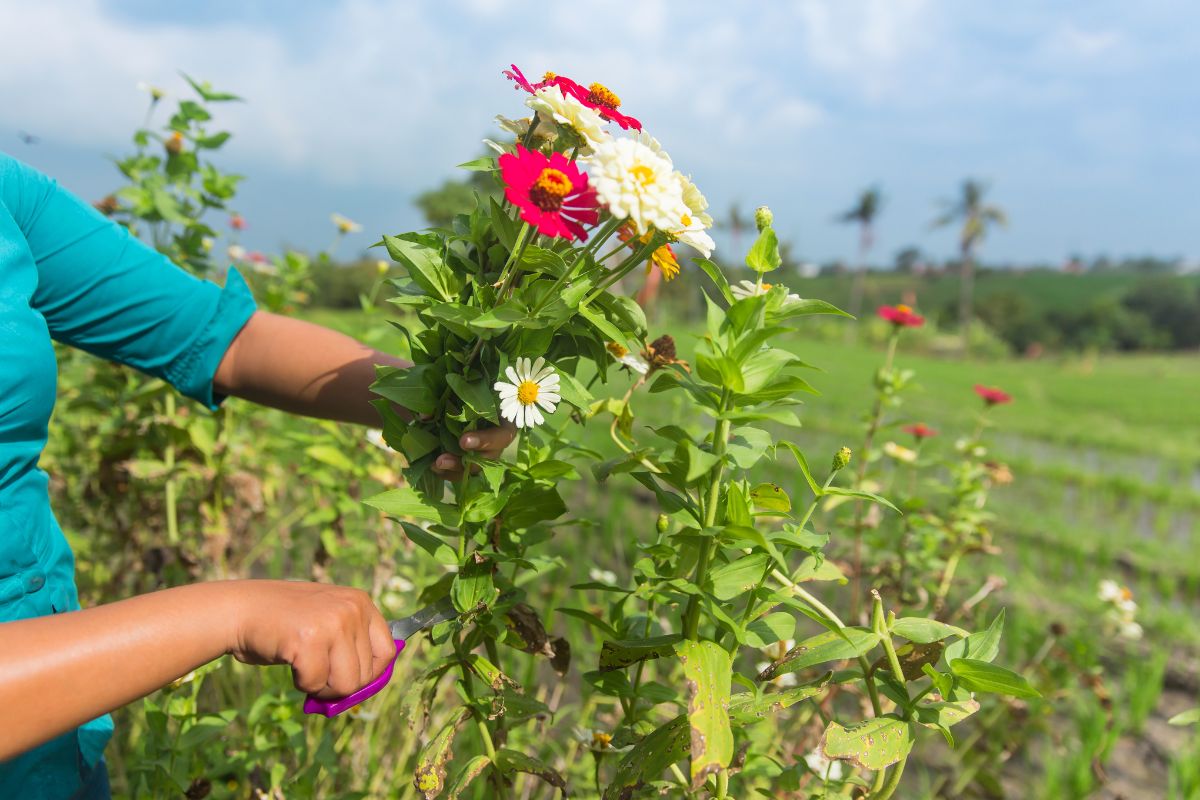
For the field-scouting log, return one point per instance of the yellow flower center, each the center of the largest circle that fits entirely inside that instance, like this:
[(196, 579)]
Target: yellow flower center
[(601, 95), (601, 740), (903, 309), (549, 76), (1126, 595), (618, 350), (766, 287), (527, 393), (549, 189), (642, 174), (686, 219)]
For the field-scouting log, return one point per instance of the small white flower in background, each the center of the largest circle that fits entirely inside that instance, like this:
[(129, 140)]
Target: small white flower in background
[(900, 452), (1130, 630), (594, 740), (236, 252), (632, 360), (155, 93), (603, 576), (1109, 591), (530, 386), (1120, 596), (825, 767), (375, 437), (743, 289), (555, 106), (638, 184), (397, 593), (345, 225)]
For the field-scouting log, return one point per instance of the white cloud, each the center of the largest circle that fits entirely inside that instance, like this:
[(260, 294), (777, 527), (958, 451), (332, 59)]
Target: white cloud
[(1073, 41)]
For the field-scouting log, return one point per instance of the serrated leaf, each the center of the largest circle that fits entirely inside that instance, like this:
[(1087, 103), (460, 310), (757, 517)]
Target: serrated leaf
[(872, 744)]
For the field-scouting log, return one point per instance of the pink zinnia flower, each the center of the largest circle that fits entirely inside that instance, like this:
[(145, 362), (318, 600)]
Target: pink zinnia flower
[(552, 193), (255, 257), (901, 316), (596, 96), (920, 430), (237, 222), (992, 396)]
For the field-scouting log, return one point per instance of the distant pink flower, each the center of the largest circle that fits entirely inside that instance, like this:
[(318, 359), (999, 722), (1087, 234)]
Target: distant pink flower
[(920, 430), (237, 222), (992, 396), (255, 257), (901, 316)]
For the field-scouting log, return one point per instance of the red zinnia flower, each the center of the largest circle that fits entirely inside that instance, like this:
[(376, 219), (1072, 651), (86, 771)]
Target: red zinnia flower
[(920, 430), (992, 396), (597, 96), (901, 316), (551, 192), (237, 222)]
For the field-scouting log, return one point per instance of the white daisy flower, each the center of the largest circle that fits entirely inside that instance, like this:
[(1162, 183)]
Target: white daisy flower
[(345, 225), (632, 360), (743, 289), (155, 93), (638, 184), (900, 452), (531, 386), (827, 768), (554, 105)]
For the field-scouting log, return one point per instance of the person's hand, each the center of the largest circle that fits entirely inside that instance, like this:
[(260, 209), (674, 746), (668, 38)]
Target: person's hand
[(488, 443), (334, 638)]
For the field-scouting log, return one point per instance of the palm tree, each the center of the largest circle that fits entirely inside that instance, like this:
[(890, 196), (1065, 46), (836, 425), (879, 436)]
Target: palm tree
[(863, 213), (976, 217)]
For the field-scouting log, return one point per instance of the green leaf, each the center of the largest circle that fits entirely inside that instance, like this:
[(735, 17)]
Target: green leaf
[(476, 395), (918, 629), (983, 646), (510, 761), (828, 646), (405, 502), (574, 392), (980, 676), (838, 491), (770, 497), (1189, 717), (430, 775), (485, 164), (872, 744), (764, 253), (945, 714), (205, 90), (738, 577), (761, 368), (620, 653), (747, 445), (708, 673), (698, 461), (591, 619), (442, 552), (423, 263), (534, 504), (408, 387), (473, 584), (649, 758), (720, 371), (766, 631), (807, 307), (803, 462), (329, 455), (469, 772), (598, 321), (716, 276), (812, 569), (750, 707)]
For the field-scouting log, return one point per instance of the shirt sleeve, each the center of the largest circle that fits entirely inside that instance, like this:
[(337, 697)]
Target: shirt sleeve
[(104, 291)]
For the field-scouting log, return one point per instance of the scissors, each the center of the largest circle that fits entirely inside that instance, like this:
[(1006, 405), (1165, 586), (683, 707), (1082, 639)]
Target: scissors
[(402, 630)]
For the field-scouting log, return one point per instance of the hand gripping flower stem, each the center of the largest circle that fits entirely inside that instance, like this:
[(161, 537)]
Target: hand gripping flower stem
[(691, 618)]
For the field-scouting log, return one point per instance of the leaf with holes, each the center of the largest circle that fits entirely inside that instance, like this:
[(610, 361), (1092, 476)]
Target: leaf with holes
[(708, 673), (828, 646), (872, 744), (430, 774), (749, 707), (649, 758)]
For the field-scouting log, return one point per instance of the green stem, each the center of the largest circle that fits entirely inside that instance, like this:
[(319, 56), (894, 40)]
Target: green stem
[(947, 579), (892, 783), (514, 258), (623, 269), (172, 487), (691, 619), (722, 784), (885, 638)]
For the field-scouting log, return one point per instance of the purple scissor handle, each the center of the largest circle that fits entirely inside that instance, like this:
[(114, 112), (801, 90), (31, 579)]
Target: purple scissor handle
[(402, 629)]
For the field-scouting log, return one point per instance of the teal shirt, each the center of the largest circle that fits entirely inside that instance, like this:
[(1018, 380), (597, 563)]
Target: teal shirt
[(69, 274)]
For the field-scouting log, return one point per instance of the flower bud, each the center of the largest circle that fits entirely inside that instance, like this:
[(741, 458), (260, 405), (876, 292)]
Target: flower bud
[(174, 145), (662, 523), (382, 267), (763, 218), (841, 458)]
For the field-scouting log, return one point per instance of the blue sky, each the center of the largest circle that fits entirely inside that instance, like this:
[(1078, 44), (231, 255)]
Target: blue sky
[(1083, 116)]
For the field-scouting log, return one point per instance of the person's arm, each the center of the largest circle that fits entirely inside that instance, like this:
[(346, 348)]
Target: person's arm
[(60, 671), (307, 369)]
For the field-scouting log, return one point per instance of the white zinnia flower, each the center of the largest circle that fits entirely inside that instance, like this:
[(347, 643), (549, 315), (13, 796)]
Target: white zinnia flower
[(827, 768), (345, 225), (531, 386), (236, 252), (553, 104), (900, 452), (638, 184)]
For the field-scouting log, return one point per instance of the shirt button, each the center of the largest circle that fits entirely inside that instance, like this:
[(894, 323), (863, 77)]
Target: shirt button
[(34, 582)]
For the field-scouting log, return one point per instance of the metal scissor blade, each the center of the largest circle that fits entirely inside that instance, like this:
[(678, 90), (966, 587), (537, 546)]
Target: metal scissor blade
[(440, 611)]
